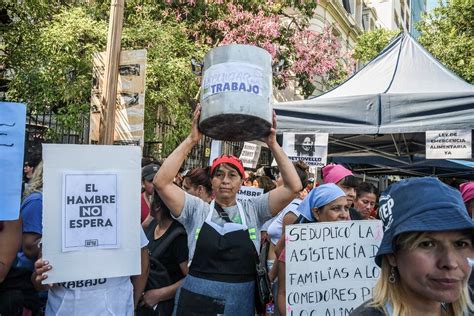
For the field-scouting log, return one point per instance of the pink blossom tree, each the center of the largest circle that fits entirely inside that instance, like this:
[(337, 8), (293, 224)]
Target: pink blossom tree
[(305, 54)]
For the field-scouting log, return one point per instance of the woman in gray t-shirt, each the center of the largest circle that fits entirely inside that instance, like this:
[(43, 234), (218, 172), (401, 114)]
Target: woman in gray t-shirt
[(221, 277)]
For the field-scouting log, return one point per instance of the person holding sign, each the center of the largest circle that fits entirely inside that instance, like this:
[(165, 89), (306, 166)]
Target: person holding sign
[(428, 238), (221, 277), (326, 203)]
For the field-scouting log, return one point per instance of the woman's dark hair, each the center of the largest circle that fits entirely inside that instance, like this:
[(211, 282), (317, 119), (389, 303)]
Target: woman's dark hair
[(349, 181), (265, 183), (366, 188), (200, 176), (302, 170), (157, 203)]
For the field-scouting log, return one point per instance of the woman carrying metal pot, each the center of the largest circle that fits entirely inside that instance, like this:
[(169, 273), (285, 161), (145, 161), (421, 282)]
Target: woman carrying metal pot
[(221, 277)]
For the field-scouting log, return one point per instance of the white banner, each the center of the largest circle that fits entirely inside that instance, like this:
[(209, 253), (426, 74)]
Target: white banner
[(246, 193), (250, 154), (311, 148), (451, 144), (91, 203), (330, 268), (89, 211)]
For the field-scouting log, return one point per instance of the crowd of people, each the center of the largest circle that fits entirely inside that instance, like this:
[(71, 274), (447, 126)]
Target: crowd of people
[(200, 243)]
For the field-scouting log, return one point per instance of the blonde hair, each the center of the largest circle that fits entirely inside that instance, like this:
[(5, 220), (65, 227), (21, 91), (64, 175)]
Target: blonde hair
[(36, 182), (385, 291)]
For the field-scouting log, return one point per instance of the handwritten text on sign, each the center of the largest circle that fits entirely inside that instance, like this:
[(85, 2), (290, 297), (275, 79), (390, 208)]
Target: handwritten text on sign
[(330, 268), (89, 211), (452, 144)]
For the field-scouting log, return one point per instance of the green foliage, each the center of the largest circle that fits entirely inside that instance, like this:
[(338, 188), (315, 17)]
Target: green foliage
[(50, 60), (448, 34), (170, 83), (371, 43)]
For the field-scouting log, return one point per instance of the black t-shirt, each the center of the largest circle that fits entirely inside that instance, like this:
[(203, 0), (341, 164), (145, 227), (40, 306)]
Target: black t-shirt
[(355, 216), (176, 253)]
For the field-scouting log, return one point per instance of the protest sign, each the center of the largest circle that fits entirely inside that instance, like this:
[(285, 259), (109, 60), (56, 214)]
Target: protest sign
[(89, 210), (216, 149), (246, 193), (12, 145), (452, 144), (250, 154), (330, 268), (311, 148), (129, 117), (90, 204)]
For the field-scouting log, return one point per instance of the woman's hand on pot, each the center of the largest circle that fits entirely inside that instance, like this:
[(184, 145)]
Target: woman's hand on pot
[(196, 134)]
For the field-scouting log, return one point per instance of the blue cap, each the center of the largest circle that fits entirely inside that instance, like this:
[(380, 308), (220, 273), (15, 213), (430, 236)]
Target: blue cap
[(318, 197), (419, 205)]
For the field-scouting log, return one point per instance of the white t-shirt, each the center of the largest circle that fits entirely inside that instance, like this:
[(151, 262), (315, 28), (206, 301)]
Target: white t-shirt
[(276, 227), (97, 297)]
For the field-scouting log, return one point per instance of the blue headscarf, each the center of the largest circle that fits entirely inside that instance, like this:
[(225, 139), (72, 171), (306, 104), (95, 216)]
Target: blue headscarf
[(318, 197)]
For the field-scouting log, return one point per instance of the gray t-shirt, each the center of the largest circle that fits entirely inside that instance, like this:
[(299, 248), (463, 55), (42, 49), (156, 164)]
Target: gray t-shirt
[(195, 211)]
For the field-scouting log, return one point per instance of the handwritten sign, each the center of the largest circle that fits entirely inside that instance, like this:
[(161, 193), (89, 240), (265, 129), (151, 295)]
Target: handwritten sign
[(234, 77), (12, 145), (250, 154), (452, 144), (90, 204), (246, 193), (311, 148), (330, 268), (89, 211)]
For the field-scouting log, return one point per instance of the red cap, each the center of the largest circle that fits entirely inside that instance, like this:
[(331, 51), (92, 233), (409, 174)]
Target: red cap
[(232, 160)]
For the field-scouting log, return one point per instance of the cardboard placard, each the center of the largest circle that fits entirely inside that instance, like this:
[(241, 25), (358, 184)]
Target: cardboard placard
[(330, 268), (12, 146), (312, 148), (246, 193), (84, 256), (452, 144), (250, 154)]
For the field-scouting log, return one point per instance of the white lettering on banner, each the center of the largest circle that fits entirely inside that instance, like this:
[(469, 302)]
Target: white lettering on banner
[(89, 211), (345, 272), (248, 192), (312, 148), (453, 144), (234, 77)]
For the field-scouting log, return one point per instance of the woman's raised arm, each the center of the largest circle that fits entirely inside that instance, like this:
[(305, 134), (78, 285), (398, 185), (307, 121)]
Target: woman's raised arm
[(172, 195)]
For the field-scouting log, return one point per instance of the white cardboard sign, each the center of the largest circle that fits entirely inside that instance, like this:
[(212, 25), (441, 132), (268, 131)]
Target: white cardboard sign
[(89, 211), (330, 268), (452, 144), (250, 154), (246, 193), (312, 148), (70, 171)]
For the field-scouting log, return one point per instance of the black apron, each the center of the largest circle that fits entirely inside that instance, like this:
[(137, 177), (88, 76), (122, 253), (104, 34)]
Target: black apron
[(224, 254)]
